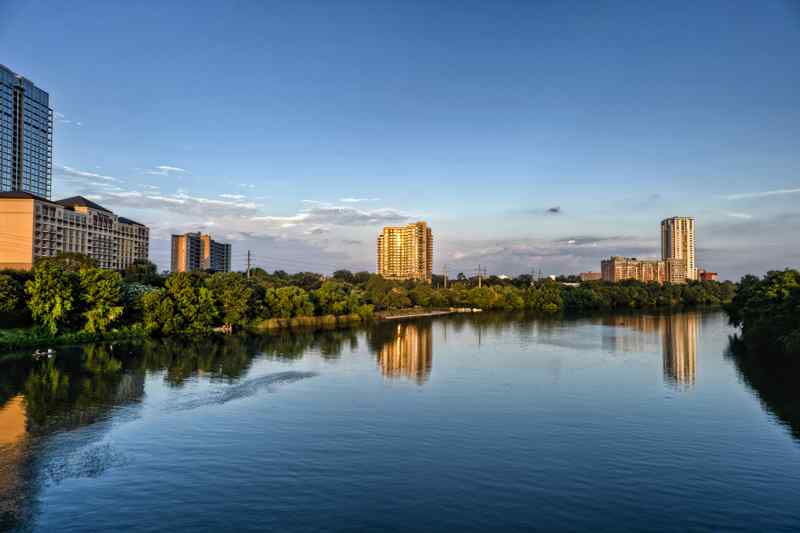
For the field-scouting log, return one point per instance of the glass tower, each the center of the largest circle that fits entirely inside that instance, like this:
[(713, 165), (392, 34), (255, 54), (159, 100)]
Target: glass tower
[(26, 136)]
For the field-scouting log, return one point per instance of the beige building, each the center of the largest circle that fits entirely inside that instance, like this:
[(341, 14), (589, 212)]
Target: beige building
[(677, 242), (406, 252), (619, 268), (32, 227), (196, 251)]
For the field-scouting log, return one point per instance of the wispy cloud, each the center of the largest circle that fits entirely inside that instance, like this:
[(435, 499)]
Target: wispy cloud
[(165, 170), (233, 196), (84, 174), (763, 194), (740, 215), (61, 119), (357, 200), (325, 215)]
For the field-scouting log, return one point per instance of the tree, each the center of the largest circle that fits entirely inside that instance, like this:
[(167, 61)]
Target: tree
[(194, 304), (72, 261), (344, 275), (233, 295), (143, 271), (397, 298), (422, 295), (11, 294), (335, 298), (52, 294), (102, 295), (288, 302), (158, 313)]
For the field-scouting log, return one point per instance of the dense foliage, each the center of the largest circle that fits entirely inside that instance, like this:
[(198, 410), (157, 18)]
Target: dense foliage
[(768, 311), (69, 293)]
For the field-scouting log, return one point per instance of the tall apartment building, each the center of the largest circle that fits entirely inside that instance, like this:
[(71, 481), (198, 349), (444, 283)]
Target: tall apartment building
[(646, 270), (26, 136), (406, 252), (677, 242), (32, 227), (196, 251)]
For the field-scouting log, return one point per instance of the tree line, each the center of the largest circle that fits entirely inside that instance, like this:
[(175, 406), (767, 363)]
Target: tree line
[(768, 311), (69, 293)]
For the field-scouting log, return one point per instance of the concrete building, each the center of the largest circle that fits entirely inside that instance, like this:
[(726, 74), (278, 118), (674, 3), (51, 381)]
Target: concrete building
[(677, 242), (591, 276), (618, 269), (32, 227), (406, 252), (26, 136), (196, 251)]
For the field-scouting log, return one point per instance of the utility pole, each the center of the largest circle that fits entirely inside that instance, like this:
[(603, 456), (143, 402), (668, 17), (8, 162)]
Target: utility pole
[(445, 276), (480, 276), (248, 264)]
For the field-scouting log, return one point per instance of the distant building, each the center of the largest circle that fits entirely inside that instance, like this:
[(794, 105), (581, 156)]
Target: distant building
[(32, 227), (26, 136), (677, 242), (196, 251), (406, 252), (705, 275), (591, 276), (618, 269)]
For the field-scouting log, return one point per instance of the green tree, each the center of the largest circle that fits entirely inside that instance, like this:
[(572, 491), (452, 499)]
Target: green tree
[(51, 295), (143, 271), (288, 302), (11, 294), (335, 298), (72, 261), (233, 295), (158, 313), (101, 293)]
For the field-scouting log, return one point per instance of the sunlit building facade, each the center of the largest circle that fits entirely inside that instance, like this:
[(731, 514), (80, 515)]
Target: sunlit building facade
[(618, 269), (406, 252), (26, 136), (677, 242), (197, 251), (32, 227)]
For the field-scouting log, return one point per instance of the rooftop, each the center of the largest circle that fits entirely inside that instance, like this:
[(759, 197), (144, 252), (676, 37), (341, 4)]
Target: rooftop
[(81, 202)]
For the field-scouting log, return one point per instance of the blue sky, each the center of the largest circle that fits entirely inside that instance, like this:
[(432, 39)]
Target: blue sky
[(531, 135)]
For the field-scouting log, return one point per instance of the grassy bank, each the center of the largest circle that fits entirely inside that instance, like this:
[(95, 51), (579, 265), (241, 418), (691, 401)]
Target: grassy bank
[(39, 337)]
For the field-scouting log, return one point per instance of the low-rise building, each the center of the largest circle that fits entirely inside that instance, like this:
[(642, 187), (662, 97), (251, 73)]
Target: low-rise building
[(591, 276), (618, 269), (32, 227), (705, 275)]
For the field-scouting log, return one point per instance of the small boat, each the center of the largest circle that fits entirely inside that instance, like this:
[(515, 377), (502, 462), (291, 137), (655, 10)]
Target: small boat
[(41, 354)]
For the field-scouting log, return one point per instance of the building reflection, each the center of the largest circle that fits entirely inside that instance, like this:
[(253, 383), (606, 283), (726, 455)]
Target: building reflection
[(407, 352), (679, 349), (678, 338)]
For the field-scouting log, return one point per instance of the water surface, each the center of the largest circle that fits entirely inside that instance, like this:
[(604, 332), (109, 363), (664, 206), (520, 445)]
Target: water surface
[(616, 423)]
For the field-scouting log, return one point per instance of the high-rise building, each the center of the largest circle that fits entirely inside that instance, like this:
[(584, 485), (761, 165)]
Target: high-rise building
[(196, 251), (32, 227), (406, 252), (26, 136), (677, 242)]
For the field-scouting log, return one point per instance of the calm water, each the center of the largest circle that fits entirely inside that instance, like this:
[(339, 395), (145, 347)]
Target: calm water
[(630, 422)]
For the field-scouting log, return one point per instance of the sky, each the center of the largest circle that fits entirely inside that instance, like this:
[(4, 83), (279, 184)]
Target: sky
[(529, 135)]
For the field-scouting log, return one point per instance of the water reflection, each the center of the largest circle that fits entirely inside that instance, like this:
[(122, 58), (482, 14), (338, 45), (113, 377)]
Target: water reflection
[(773, 378), (405, 350), (678, 337), (679, 350)]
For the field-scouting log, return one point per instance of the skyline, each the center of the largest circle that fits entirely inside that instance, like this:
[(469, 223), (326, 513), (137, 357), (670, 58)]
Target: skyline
[(542, 137)]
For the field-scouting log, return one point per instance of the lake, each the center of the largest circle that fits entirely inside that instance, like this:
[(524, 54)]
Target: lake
[(623, 422)]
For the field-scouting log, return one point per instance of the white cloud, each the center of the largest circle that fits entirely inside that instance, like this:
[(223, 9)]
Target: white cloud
[(233, 196), (763, 194), (357, 200), (84, 174), (740, 215), (165, 170)]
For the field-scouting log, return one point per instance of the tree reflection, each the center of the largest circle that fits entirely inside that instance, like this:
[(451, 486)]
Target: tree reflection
[(773, 378)]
